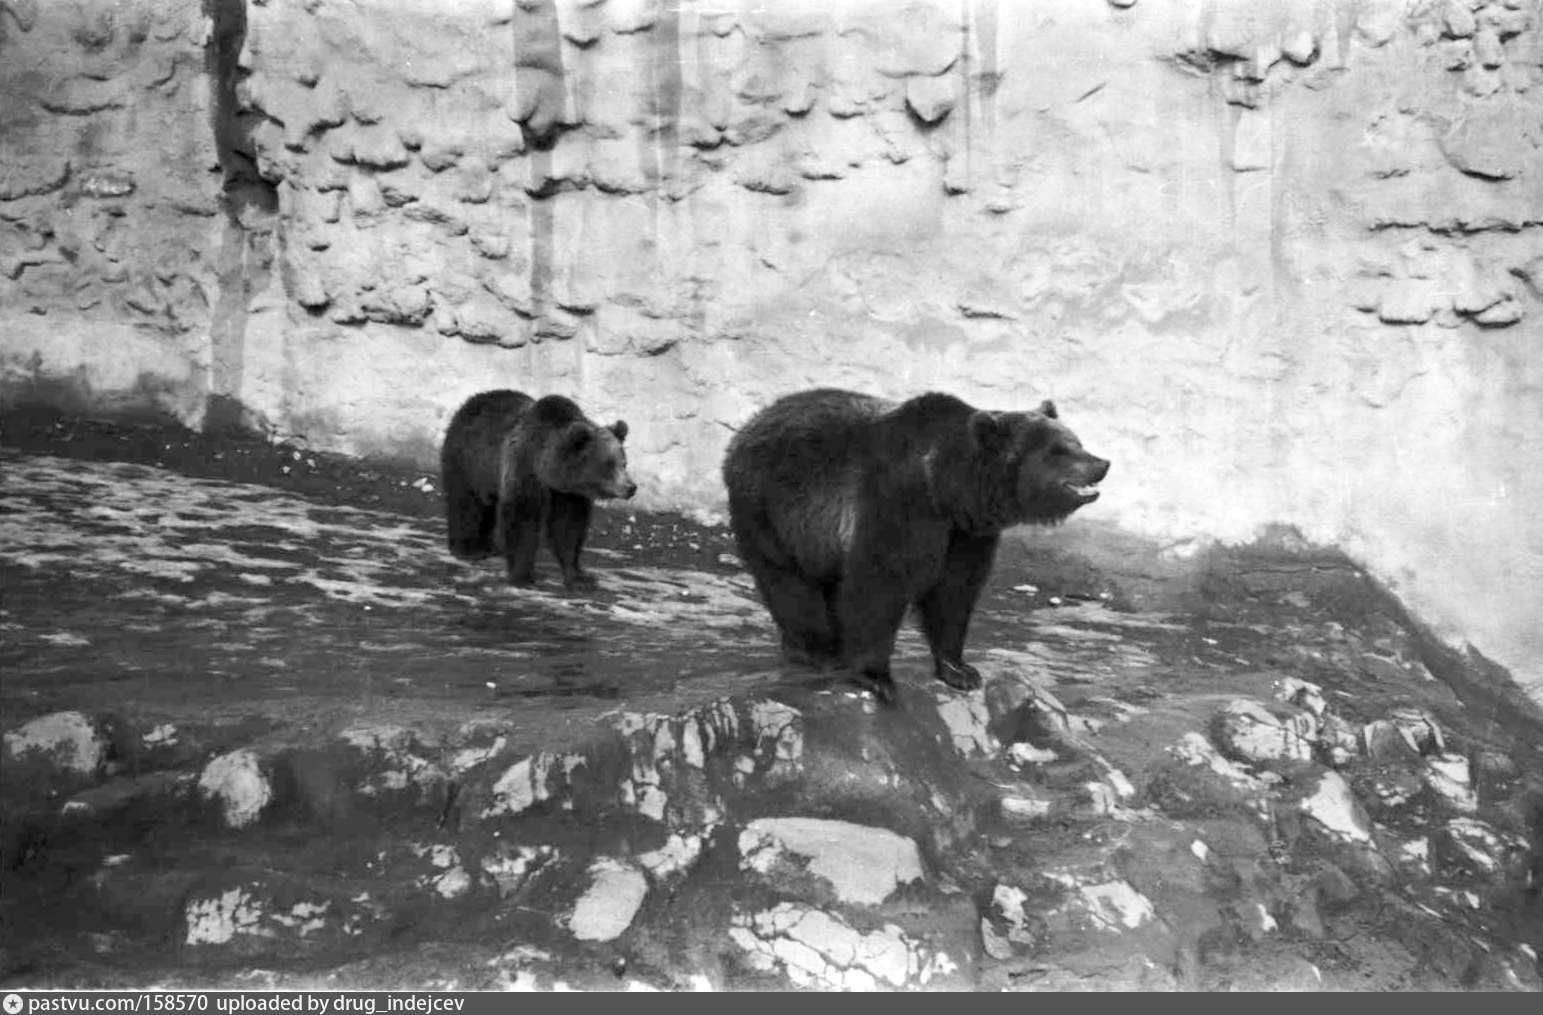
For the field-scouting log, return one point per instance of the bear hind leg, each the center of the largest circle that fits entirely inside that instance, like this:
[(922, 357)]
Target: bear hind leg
[(872, 610), (471, 531), (799, 606), (469, 518)]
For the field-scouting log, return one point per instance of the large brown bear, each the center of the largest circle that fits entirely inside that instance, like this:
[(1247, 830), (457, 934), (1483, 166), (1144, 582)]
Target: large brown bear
[(513, 468), (849, 508)]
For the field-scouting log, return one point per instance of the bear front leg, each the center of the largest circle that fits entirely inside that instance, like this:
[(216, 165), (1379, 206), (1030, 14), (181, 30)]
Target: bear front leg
[(567, 524), (872, 607), (946, 608), (520, 522)]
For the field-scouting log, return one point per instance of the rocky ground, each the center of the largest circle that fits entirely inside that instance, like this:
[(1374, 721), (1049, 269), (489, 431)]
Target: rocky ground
[(260, 730)]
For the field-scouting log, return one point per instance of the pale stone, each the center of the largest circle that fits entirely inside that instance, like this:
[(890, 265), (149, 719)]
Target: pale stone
[(1379, 21), (1484, 143), (1486, 850), (1419, 731), (1408, 301), (678, 854), (1448, 776), (1253, 732), (778, 730), (1396, 788), (1006, 909), (1339, 739), (1025, 808), (1415, 854), (1195, 750), (220, 920), (966, 718), (236, 782), (1334, 807), (864, 865), (509, 867), (1500, 313), (607, 907), (930, 98), (1487, 48), (1457, 54), (521, 786), (1295, 691), (913, 39), (1025, 753), (1300, 48), (66, 738), (818, 949), (1116, 905), (1481, 81), (1460, 22)]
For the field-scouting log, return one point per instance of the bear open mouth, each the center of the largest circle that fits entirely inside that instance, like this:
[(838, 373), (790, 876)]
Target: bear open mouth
[(1085, 494)]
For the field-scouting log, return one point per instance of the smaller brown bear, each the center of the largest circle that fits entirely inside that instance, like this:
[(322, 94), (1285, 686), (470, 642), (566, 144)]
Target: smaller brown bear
[(513, 467)]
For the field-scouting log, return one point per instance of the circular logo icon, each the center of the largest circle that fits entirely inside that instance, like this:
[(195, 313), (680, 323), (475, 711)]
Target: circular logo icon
[(12, 1004)]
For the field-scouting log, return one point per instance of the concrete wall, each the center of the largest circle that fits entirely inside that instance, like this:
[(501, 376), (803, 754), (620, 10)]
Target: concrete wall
[(1283, 262)]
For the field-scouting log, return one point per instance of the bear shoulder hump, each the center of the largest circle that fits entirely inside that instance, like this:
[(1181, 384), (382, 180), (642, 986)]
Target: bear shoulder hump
[(556, 410)]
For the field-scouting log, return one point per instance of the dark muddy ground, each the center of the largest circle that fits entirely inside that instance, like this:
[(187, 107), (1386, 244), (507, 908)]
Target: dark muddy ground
[(201, 597)]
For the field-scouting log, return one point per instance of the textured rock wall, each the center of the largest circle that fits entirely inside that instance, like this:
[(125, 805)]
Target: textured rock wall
[(1283, 262), (110, 212)]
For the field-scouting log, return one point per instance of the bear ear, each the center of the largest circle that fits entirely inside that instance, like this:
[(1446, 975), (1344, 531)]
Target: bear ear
[(619, 428), (1047, 408), (577, 437), (986, 430)]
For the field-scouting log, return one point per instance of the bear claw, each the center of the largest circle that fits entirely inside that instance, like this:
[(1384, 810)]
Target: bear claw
[(470, 550), (581, 580), (959, 675)]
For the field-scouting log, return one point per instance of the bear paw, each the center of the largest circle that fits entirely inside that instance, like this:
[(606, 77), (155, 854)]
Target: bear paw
[(881, 684), (580, 580), (470, 549), (814, 657), (960, 675)]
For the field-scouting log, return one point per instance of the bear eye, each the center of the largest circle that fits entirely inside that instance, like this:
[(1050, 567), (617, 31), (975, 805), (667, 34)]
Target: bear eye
[(1060, 450)]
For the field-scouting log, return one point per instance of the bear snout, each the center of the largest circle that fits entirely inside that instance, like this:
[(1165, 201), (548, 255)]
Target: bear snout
[(627, 489), (1081, 482)]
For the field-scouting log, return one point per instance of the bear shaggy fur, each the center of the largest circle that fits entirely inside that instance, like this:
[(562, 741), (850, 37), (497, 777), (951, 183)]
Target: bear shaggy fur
[(848, 509), (514, 467)]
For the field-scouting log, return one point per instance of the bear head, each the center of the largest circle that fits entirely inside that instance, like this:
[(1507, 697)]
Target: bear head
[(1044, 470), (591, 461)]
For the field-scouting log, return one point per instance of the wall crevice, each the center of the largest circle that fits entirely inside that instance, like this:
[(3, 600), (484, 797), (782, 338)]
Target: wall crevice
[(248, 202)]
